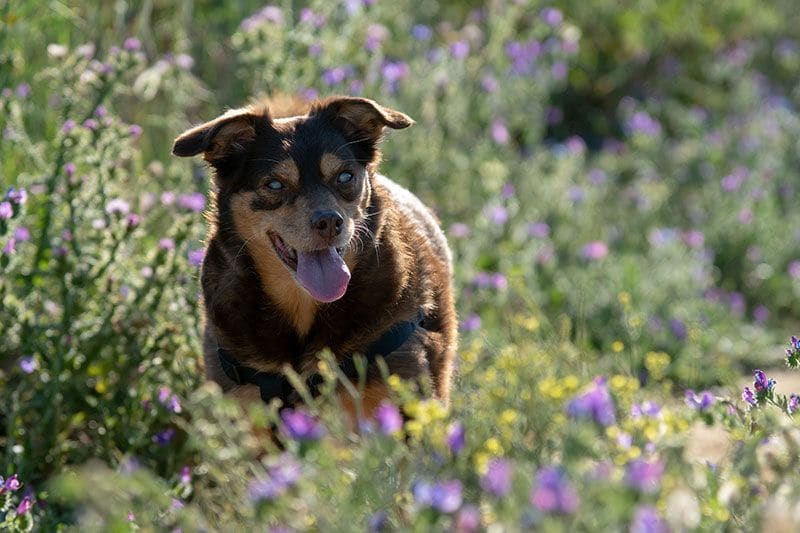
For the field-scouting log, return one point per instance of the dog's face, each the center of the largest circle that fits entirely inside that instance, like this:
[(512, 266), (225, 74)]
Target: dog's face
[(298, 186)]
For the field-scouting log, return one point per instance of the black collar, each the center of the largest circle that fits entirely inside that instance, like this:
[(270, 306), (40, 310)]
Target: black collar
[(276, 385)]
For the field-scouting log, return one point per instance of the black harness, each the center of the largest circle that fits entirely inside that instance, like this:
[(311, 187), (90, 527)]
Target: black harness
[(276, 385)]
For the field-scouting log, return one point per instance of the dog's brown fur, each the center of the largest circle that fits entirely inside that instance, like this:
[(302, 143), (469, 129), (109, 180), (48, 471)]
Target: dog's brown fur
[(396, 253)]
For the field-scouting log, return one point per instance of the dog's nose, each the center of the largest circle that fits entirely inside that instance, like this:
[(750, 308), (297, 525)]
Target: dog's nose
[(327, 223)]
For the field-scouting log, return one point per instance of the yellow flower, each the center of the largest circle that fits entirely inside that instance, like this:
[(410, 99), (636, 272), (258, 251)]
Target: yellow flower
[(529, 323), (624, 298), (493, 446), (414, 429), (508, 417), (395, 383), (617, 346), (656, 363), (481, 460)]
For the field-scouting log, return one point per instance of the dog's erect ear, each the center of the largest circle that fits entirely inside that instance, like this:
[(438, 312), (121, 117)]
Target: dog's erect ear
[(219, 139), (361, 117)]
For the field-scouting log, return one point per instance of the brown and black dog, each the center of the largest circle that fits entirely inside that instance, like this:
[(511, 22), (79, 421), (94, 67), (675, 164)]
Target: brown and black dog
[(310, 248)]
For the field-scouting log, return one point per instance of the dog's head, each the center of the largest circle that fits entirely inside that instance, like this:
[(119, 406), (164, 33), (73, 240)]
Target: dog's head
[(298, 186)]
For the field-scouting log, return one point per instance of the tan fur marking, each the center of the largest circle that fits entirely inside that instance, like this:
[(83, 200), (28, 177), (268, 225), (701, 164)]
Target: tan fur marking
[(330, 164), (374, 394), (287, 170), (276, 280)]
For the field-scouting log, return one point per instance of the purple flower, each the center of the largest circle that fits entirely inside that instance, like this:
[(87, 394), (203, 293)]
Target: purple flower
[(500, 131), (553, 492), (118, 206), (68, 126), (336, 75), (468, 520), (643, 475), (794, 269), (10, 247), (761, 383), (393, 73), (22, 234), (90, 124), (678, 328), (6, 211), (456, 437), (497, 214), (734, 180), (594, 251), (443, 496), (162, 438), (552, 16), (271, 14), (196, 257), (23, 90), (793, 353), (489, 84), (24, 505), (132, 44), (793, 403), (646, 408), (508, 191), (195, 201), (132, 220), (135, 131), (471, 323), (523, 55), (184, 61), (701, 401), (748, 396), (310, 17), (389, 418), (553, 115), (497, 479), (167, 198), (459, 230), (12, 483), (28, 365), (376, 34), (459, 49), (446, 496), (761, 313), (643, 123), (378, 522), (17, 196), (559, 70), (646, 520), (499, 281), (169, 400), (421, 32), (301, 426), (694, 238), (166, 244), (596, 176), (595, 403), (539, 230), (186, 475), (280, 477)]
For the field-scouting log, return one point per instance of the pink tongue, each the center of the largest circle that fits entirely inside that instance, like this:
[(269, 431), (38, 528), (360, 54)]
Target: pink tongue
[(323, 274)]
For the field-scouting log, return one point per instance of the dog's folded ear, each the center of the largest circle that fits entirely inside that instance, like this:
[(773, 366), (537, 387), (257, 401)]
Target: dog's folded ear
[(361, 117), (220, 138)]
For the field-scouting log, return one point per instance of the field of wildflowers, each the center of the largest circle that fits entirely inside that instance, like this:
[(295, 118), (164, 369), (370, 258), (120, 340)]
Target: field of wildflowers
[(620, 189)]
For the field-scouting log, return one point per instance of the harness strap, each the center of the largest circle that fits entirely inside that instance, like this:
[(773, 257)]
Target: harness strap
[(276, 385)]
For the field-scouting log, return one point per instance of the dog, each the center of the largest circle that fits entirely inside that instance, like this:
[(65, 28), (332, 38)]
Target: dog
[(310, 248)]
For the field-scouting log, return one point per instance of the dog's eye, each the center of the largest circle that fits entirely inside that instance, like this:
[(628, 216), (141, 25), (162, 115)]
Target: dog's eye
[(274, 185), (344, 177)]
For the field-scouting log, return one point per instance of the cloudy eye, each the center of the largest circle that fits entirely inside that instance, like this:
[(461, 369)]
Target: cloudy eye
[(344, 177), (274, 185)]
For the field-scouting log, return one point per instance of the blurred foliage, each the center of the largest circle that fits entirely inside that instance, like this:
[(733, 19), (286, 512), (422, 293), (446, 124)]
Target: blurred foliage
[(618, 183)]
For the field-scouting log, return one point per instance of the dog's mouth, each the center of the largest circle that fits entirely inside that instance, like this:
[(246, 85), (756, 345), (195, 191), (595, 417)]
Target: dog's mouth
[(323, 273)]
